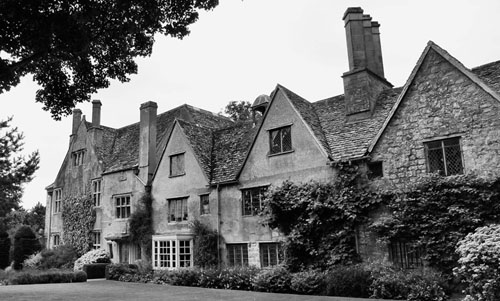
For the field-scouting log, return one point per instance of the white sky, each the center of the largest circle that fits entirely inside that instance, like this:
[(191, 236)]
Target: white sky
[(244, 48)]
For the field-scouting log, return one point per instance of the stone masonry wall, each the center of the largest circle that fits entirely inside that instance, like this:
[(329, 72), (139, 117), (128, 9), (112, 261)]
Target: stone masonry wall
[(441, 102)]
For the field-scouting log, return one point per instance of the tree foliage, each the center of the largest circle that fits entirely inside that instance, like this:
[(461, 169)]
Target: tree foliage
[(437, 212), (34, 217), (238, 110), (15, 170), (319, 220), (25, 244), (74, 47), (78, 219)]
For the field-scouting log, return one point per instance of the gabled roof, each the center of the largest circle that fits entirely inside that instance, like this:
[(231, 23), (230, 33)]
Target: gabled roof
[(309, 115), (231, 147), (487, 72), (201, 140), (121, 146)]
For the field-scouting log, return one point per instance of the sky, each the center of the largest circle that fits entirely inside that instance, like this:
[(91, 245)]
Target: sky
[(243, 48)]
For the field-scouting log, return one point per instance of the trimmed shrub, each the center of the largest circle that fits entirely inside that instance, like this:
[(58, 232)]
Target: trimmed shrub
[(4, 249), (25, 244), (238, 278), (479, 263), (182, 277), (116, 270), (275, 280), (48, 276), (417, 285), (94, 256), (311, 282), (61, 257), (349, 281), (95, 270), (211, 278)]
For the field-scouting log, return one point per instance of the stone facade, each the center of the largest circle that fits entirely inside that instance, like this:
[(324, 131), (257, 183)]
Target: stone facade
[(187, 156), (441, 102)]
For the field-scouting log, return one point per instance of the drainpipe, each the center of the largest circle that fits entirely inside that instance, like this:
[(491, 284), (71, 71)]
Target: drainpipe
[(218, 226)]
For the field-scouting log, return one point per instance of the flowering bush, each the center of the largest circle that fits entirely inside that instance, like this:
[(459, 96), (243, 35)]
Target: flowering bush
[(33, 261), (94, 256), (479, 263)]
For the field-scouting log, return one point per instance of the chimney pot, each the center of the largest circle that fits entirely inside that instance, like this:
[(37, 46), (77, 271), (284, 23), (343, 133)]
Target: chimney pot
[(96, 112)]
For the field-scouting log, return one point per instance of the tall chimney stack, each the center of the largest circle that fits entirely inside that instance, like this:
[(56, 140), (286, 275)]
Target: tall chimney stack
[(365, 79), (147, 141), (96, 112), (77, 118)]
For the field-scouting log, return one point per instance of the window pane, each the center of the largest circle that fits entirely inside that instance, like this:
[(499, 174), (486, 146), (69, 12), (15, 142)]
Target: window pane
[(453, 160), (177, 165), (275, 141), (286, 139), (247, 202), (435, 159)]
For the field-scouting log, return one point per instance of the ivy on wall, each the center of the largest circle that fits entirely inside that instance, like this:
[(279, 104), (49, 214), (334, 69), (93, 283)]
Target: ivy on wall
[(319, 220), (78, 219), (437, 212), (205, 246), (141, 222)]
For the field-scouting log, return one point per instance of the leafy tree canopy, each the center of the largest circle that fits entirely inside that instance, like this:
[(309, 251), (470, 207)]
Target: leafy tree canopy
[(15, 170), (74, 47), (238, 110)]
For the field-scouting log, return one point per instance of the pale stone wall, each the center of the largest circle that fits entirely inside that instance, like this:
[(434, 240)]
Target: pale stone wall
[(441, 102)]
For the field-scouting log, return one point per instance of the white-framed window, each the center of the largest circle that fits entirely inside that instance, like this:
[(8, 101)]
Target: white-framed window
[(270, 254), (56, 240), (177, 210), (57, 200), (96, 192), (172, 252), (177, 165), (205, 204), (122, 206), (253, 200), (96, 240), (77, 157), (237, 254)]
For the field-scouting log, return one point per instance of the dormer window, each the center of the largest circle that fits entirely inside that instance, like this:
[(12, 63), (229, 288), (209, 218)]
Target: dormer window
[(78, 157), (280, 140)]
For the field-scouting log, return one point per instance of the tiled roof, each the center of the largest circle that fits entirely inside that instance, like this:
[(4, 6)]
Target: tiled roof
[(231, 146), (349, 140), (490, 75), (201, 141), (121, 146)]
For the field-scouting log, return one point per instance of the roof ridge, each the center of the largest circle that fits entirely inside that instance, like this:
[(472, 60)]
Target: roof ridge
[(485, 65)]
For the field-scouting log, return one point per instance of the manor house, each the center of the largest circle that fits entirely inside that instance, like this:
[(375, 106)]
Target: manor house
[(202, 166)]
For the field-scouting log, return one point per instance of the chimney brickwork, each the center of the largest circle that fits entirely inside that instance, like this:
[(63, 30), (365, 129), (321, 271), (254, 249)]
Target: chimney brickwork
[(77, 118), (365, 79), (147, 141), (96, 112)]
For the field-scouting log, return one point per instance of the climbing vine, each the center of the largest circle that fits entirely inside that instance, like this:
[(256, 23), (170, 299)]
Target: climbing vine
[(319, 220), (141, 222), (205, 245), (78, 219), (437, 212)]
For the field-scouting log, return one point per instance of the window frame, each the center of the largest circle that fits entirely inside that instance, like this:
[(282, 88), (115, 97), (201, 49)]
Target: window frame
[(265, 247), (181, 171), (373, 167), (231, 249), (174, 255), (96, 240), (204, 207), (97, 193), (281, 150), (57, 200), (444, 154), (253, 212), (56, 240), (404, 255), (77, 157), (122, 207), (183, 211)]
